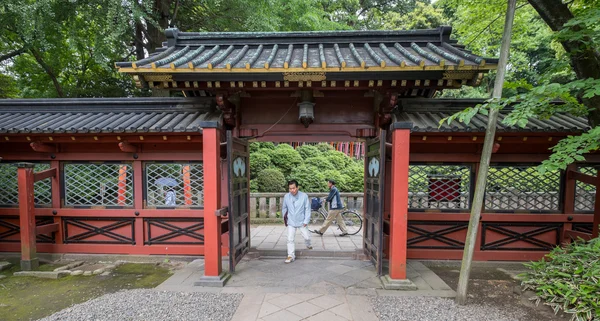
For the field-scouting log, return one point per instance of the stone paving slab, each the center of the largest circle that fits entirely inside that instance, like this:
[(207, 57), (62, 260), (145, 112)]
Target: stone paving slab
[(307, 289)]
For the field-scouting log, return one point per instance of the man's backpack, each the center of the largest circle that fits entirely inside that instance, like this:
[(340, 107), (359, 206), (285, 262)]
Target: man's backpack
[(315, 204)]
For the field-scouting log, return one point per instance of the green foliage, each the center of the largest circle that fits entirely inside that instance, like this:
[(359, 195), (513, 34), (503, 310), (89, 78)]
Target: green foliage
[(356, 176), (271, 180), (321, 163), (572, 149), (8, 87), (308, 151), (567, 279), (324, 147), (340, 180), (267, 145), (258, 162), (424, 16), (310, 178), (253, 186), (338, 159), (254, 147), (285, 158)]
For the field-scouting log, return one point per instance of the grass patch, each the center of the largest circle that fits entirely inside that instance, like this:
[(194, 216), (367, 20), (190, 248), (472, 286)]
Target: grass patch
[(26, 298)]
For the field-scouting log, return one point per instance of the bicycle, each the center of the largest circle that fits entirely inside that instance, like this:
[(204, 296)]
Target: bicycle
[(352, 219)]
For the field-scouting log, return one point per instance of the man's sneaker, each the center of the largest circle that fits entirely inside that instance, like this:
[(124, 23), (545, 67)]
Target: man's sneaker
[(318, 232), (289, 259), (344, 234), (309, 247)]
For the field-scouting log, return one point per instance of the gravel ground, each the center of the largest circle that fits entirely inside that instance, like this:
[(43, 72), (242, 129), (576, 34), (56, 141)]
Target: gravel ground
[(437, 309), (147, 304)]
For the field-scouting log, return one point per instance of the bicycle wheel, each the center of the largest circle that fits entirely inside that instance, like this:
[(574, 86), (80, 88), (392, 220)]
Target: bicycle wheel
[(353, 222), (316, 220)]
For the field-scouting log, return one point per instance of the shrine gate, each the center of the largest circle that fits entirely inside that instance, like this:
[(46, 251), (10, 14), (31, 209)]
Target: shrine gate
[(171, 175)]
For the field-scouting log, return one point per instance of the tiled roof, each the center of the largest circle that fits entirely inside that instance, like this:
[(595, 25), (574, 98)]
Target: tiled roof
[(425, 115), (106, 115), (326, 51)]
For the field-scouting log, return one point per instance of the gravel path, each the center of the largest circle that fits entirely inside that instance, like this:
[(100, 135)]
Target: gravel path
[(437, 309), (147, 304)]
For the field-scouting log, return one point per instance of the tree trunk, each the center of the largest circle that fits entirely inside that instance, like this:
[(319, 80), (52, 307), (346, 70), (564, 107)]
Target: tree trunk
[(156, 34), (138, 40), (584, 59), (49, 71)]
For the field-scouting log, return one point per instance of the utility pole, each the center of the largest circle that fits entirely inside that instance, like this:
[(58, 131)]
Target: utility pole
[(486, 154)]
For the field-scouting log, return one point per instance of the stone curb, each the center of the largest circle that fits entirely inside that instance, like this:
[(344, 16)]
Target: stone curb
[(43, 274)]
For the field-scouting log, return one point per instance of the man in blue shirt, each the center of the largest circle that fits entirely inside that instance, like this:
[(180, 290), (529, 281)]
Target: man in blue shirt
[(297, 208), (335, 210)]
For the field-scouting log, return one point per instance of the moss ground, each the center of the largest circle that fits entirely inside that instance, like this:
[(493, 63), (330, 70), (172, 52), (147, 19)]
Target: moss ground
[(29, 298)]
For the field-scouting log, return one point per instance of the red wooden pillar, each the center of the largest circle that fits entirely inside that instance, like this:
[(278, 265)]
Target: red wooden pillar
[(596, 226), (29, 259), (56, 204), (138, 202), (399, 203), (211, 156)]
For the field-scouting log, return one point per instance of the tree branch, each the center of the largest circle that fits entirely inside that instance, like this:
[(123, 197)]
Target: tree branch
[(12, 54), (49, 71)]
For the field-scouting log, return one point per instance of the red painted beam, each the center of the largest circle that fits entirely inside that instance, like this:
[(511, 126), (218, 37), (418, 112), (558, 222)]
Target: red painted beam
[(93, 156), (127, 147), (399, 203), (42, 148), (103, 138), (44, 174), (575, 235), (45, 229), (588, 179), (596, 226)]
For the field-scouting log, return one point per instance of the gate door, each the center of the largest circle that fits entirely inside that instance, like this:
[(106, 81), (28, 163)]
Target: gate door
[(239, 199), (374, 198)]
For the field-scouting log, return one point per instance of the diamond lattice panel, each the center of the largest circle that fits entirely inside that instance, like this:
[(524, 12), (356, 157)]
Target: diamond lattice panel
[(439, 187), (511, 188), (585, 194), (174, 185), (9, 186), (98, 184)]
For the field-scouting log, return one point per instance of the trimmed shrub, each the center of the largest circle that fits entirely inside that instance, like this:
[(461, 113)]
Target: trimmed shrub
[(267, 145), (310, 178), (254, 147), (567, 279), (324, 147), (320, 162), (339, 178), (308, 151), (356, 177), (253, 186), (258, 162), (285, 158), (339, 160), (271, 180)]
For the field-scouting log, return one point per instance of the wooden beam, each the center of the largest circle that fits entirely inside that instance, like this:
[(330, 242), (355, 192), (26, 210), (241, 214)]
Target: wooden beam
[(44, 174), (588, 179), (42, 148), (574, 235), (48, 228), (127, 147)]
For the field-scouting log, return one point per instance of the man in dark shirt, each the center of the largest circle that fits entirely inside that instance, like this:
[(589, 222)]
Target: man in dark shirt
[(335, 210)]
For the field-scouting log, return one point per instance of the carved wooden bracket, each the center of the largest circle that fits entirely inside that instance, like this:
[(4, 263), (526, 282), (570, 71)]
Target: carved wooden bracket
[(127, 147), (42, 147)]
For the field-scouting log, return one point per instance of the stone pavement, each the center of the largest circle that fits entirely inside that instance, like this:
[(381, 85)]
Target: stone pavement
[(307, 289), (271, 240)]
